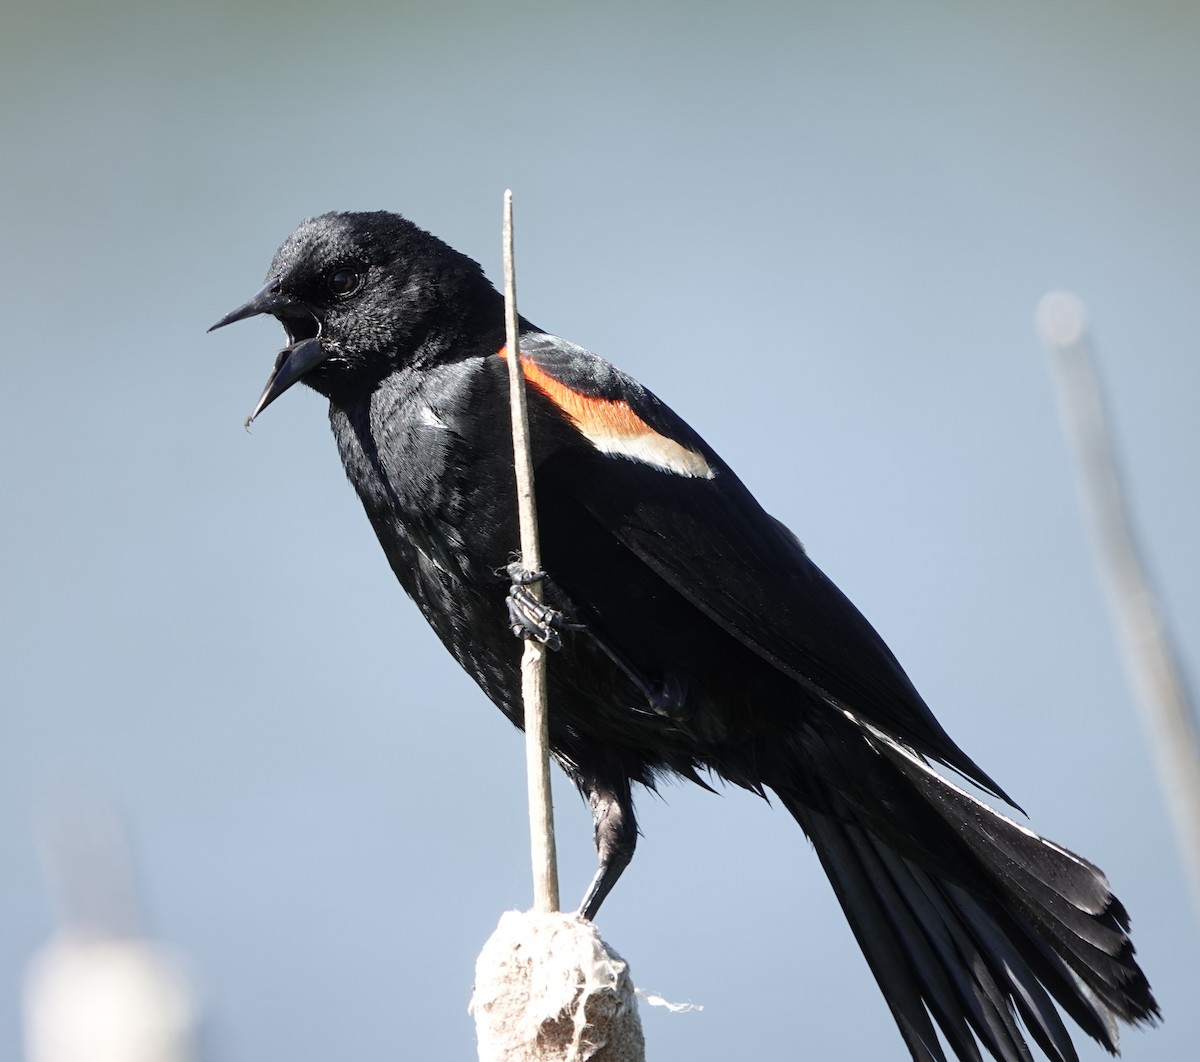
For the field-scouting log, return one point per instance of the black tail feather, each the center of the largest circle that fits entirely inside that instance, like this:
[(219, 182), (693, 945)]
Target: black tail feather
[(986, 942), (883, 948), (957, 952), (1064, 898), (1033, 1002)]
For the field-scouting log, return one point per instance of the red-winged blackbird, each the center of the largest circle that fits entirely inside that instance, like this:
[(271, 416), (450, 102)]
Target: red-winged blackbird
[(694, 634)]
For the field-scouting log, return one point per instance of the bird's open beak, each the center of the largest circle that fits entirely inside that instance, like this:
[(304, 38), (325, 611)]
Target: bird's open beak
[(297, 359), (290, 367)]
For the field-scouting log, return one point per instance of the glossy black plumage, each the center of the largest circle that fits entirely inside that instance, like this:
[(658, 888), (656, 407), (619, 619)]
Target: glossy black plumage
[(709, 641)]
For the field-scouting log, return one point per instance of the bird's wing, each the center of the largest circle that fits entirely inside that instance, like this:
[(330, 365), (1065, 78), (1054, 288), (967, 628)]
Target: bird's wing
[(659, 489)]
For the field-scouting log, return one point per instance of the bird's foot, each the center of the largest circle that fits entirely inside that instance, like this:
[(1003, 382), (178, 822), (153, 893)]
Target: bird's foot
[(531, 618), (669, 699)]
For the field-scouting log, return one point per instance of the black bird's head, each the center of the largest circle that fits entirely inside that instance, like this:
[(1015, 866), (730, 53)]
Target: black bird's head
[(361, 295)]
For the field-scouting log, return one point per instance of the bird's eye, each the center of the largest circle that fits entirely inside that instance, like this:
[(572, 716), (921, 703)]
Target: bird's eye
[(344, 281)]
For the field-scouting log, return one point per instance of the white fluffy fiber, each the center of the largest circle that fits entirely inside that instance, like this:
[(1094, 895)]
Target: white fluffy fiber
[(548, 989)]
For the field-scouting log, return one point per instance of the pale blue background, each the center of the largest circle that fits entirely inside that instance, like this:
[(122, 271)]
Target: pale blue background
[(818, 230)]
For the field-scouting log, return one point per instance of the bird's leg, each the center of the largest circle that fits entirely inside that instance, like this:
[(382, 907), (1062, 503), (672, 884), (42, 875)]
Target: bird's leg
[(668, 699), (531, 618), (616, 838), (535, 619)]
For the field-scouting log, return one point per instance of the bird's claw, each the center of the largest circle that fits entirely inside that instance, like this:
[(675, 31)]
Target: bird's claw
[(669, 699), (531, 618), (522, 576)]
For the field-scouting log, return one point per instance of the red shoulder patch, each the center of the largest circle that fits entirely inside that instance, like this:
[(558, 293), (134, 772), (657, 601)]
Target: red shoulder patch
[(612, 427)]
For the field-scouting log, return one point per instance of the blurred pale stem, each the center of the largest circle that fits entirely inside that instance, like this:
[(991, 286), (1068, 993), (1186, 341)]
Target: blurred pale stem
[(1149, 656), (533, 660)]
